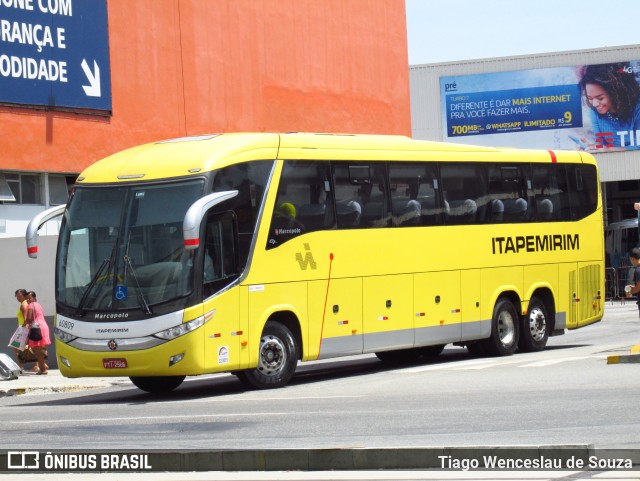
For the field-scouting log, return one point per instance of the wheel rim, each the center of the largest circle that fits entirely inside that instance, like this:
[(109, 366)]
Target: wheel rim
[(537, 324), (273, 356), (506, 328)]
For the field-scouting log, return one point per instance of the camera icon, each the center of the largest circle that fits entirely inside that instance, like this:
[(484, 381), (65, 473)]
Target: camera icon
[(23, 460)]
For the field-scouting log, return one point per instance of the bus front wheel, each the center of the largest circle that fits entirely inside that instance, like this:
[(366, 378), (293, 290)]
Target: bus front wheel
[(158, 384), (535, 327), (277, 359), (505, 329)]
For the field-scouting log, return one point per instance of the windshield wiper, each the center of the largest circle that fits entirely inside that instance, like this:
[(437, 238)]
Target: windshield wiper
[(129, 263), (92, 284), (141, 299)]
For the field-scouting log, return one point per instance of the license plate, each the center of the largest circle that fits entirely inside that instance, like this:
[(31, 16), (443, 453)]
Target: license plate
[(114, 363)]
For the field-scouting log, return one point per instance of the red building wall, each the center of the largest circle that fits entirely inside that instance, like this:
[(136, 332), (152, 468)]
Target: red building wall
[(185, 67)]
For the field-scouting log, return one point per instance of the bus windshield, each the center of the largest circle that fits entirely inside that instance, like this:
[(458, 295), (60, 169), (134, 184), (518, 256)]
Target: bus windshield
[(122, 248)]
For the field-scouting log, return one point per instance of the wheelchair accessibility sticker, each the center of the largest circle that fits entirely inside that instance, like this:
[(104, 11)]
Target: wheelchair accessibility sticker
[(121, 293)]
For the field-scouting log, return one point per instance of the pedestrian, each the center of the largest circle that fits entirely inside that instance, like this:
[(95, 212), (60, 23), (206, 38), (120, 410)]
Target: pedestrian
[(634, 288), (38, 343), (21, 297)]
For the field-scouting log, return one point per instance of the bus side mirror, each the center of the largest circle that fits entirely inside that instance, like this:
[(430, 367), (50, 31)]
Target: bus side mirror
[(195, 214), (34, 226)]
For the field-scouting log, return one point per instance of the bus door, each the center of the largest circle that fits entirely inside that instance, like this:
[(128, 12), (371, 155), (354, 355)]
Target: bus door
[(224, 329), (583, 293), (335, 313), (387, 318), (437, 308)]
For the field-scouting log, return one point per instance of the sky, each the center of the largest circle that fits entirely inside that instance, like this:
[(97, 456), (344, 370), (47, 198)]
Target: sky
[(453, 30)]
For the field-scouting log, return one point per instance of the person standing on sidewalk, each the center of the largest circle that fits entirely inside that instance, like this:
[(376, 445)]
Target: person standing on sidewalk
[(21, 297), (634, 288), (35, 318)]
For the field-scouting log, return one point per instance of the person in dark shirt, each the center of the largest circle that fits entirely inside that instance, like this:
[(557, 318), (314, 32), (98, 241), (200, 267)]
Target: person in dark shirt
[(633, 289)]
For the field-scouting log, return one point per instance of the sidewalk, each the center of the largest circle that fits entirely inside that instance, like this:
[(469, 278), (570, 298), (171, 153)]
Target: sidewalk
[(618, 309), (55, 382)]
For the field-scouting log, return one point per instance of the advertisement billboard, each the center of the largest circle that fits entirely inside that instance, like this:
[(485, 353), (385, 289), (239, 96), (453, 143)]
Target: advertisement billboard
[(591, 107), (55, 53)]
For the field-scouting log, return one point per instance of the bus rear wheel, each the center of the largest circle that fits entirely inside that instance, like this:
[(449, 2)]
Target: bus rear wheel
[(277, 359), (505, 329), (535, 327), (158, 384)]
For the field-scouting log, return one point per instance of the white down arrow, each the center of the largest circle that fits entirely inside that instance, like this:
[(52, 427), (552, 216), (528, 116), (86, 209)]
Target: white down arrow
[(93, 89)]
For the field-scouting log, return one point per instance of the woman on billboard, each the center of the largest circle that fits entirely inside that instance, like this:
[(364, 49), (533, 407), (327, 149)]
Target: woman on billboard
[(612, 93)]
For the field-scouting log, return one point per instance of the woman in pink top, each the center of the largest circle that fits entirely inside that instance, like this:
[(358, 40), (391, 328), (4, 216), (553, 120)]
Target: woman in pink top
[(35, 315)]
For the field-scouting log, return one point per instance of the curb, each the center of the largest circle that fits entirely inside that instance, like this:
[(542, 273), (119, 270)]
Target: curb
[(24, 390), (632, 358), (54, 383), (625, 359)]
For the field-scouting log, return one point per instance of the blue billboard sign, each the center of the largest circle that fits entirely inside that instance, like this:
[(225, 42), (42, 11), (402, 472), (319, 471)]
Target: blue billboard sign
[(515, 110), (55, 53), (587, 107)]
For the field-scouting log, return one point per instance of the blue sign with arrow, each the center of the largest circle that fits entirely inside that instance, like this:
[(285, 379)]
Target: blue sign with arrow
[(55, 53)]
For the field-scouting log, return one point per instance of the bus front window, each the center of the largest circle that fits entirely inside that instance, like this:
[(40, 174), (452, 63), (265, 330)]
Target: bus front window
[(122, 248)]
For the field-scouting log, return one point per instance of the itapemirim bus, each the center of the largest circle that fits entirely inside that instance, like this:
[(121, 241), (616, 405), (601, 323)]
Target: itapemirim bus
[(247, 253)]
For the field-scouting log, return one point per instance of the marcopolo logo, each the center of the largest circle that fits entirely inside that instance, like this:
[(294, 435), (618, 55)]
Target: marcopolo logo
[(307, 260)]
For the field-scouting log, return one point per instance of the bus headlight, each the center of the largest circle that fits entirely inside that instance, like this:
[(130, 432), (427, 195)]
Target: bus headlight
[(63, 336), (180, 329)]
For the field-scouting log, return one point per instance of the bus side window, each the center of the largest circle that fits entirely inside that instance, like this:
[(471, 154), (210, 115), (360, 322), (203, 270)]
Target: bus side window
[(315, 211), (250, 180), (361, 194), (303, 203), (374, 196), (464, 190), (583, 184), (348, 207), (415, 197), (509, 201), (551, 192)]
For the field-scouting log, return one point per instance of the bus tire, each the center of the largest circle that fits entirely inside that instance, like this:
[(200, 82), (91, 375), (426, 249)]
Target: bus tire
[(534, 332), (157, 384), (505, 329), (277, 359)]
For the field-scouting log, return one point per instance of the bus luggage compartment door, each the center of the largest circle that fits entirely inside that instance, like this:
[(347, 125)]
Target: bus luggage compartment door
[(387, 319), (437, 308)]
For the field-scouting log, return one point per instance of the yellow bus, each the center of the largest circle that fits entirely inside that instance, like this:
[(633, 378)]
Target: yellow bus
[(247, 253)]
